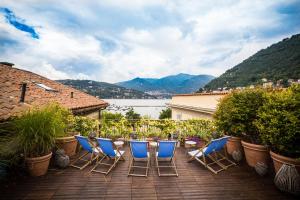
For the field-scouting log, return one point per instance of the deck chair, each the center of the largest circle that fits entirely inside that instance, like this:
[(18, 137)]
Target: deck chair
[(139, 153), (166, 152), (110, 152), (213, 152), (89, 148)]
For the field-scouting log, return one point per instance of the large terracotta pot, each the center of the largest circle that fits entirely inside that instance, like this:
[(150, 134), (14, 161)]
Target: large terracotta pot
[(279, 160), (234, 144), (256, 153), (68, 144), (38, 166)]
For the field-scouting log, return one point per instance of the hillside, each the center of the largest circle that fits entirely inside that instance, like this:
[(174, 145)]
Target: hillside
[(279, 61), (180, 83), (106, 90)]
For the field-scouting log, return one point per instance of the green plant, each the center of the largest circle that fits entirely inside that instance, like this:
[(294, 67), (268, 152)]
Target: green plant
[(236, 113), (165, 114), (10, 155), (279, 121), (148, 128), (67, 117), (131, 115), (85, 125), (37, 129)]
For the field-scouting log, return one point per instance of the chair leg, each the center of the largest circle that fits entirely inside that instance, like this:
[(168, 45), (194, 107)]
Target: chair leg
[(173, 166), (113, 165), (98, 163), (156, 161), (130, 165), (80, 158), (148, 163)]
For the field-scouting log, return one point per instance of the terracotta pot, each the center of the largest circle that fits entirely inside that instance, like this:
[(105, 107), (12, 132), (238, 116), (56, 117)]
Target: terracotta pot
[(256, 153), (234, 144), (68, 144), (38, 166), (279, 160)]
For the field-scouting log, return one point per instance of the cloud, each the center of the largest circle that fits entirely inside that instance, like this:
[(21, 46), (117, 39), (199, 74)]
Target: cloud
[(117, 40)]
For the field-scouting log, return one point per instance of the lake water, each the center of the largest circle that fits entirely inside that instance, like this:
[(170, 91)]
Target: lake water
[(149, 107)]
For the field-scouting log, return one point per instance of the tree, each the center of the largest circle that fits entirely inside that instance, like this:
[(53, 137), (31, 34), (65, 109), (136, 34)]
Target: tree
[(131, 115), (165, 114)]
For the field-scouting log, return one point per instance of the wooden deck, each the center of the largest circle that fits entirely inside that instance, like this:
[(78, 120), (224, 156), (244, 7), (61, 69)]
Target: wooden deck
[(194, 182)]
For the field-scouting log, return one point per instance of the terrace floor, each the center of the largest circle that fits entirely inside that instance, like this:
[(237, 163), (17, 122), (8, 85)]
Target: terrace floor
[(194, 182)]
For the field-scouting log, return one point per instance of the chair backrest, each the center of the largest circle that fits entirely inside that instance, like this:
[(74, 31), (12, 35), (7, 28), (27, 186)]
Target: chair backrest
[(212, 146), (84, 142), (139, 149), (106, 146), (166, 149), (216, 145), (221, 144)]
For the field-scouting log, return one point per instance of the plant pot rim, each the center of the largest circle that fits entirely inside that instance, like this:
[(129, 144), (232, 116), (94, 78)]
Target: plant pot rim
[(252, 146), (234, 138), (281, 158), (39, 158), (65, 139)]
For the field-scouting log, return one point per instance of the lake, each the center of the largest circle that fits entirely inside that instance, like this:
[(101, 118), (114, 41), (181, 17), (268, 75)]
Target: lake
[(149, 107)]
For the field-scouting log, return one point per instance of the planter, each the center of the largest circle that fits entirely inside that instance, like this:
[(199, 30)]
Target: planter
[(234, 144), (256, 153), (68, 144), (279, 160), (38, 166)]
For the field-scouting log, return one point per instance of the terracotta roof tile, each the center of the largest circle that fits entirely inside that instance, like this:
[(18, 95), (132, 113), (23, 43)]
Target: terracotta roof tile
[(11, 80)]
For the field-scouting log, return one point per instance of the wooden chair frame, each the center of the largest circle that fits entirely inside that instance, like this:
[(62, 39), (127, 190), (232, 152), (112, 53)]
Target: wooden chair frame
[(93, 156), (115, 159), (131, 164), (214, 157), (172, 162)]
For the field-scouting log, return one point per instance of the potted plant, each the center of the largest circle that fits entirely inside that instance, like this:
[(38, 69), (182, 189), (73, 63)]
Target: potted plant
[(279, 125), (239, 113), (66, 140), (36, 130), (225, 121)]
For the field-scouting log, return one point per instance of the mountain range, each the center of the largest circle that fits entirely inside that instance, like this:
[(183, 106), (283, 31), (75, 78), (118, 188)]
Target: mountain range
[(105, 90), (174, 84), (280, 61)]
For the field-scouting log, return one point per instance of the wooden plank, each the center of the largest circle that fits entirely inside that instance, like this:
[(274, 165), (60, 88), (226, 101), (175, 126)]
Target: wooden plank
[(194, 182)]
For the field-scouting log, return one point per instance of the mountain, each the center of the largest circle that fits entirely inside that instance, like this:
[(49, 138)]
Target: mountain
[(180, 83), (105, 90), (279, 61)]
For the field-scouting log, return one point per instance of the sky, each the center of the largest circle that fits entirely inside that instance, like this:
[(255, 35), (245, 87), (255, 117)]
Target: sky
[(117, 40)]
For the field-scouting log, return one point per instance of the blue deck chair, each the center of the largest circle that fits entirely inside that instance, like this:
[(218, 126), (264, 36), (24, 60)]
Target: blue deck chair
[(166, 152), (212, 151), (139, 153), (89, 148), (110, 152)]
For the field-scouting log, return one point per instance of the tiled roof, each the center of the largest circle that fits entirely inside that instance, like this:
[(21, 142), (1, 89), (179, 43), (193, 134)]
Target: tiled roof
[(11, 80)]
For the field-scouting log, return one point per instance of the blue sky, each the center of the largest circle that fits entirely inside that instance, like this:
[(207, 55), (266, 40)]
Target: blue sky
[(118, 40)]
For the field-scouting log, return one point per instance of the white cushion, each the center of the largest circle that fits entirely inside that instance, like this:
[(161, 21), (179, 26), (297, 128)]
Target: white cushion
[(119, 153), (196, 153), (97, 150)]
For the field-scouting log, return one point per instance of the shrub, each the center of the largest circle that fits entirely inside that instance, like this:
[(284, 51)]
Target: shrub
[(85, 125), (146, 128), (279, 121), (236, 113), (37, 128), (165, 114), (131, 115)]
